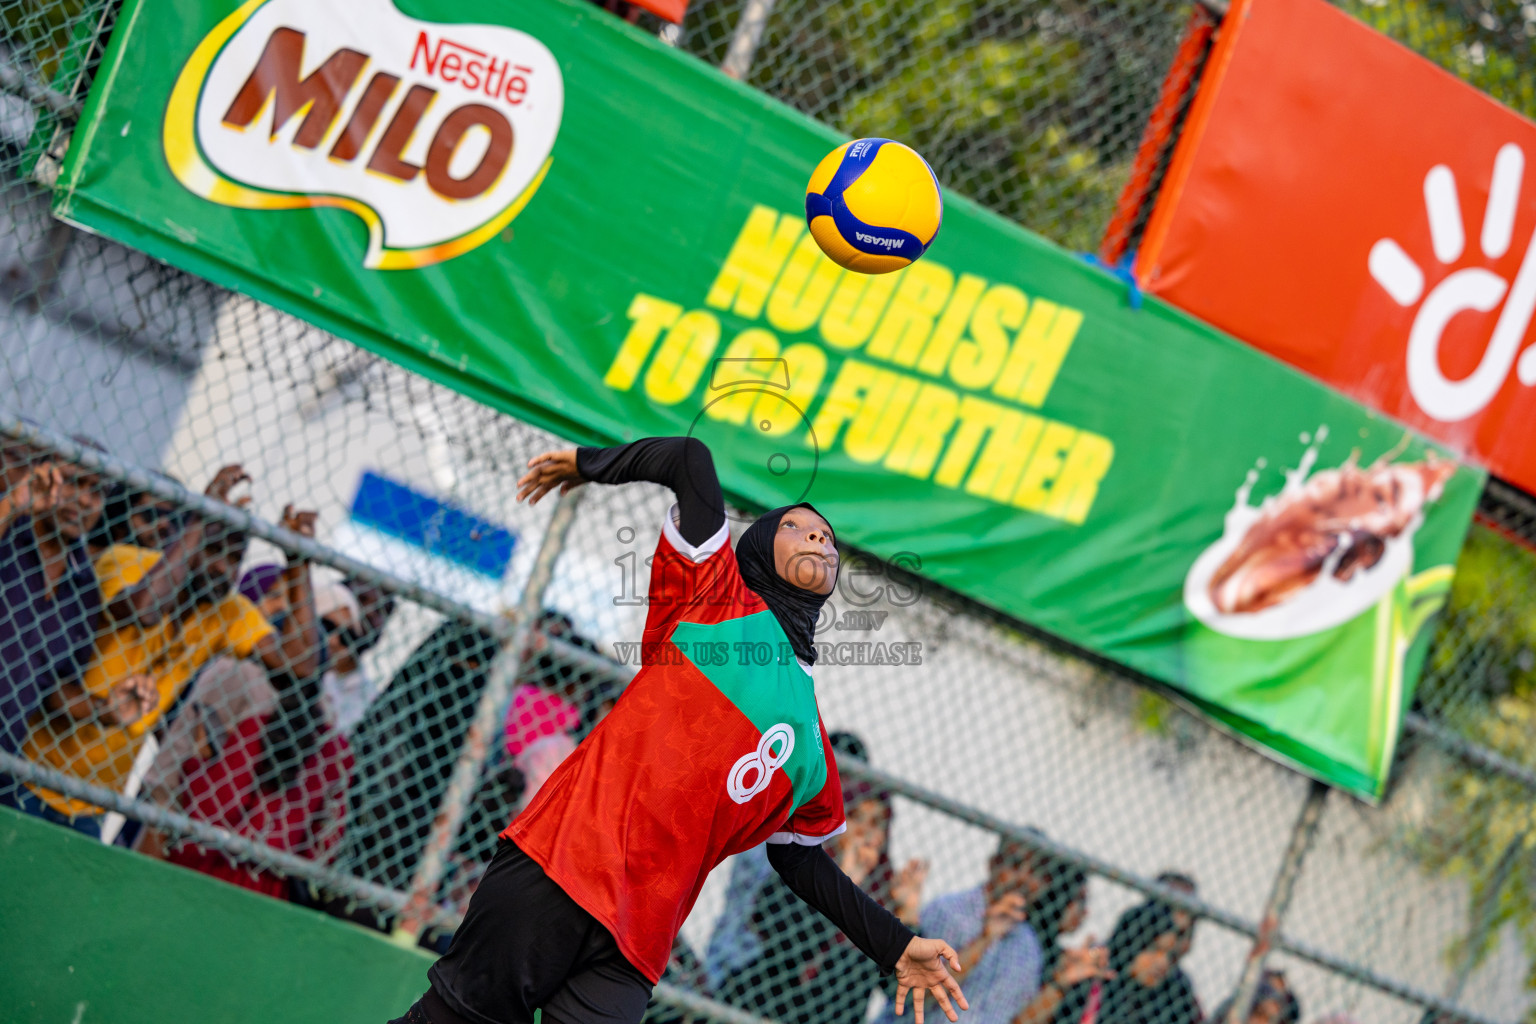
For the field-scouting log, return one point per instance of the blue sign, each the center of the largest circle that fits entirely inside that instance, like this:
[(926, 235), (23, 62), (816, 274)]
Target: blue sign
[(438, 527)]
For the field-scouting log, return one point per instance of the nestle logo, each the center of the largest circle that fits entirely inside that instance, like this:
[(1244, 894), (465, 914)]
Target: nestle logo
[(360, 106), (472, 69), (889, 243)]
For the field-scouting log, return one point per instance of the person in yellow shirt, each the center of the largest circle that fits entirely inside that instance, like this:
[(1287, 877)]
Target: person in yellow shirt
[(163, 617)]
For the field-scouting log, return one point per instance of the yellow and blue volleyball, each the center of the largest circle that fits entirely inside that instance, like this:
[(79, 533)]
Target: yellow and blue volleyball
[(873, 206)]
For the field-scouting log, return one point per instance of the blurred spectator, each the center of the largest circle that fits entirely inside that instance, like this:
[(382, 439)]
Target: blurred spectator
[(1000, 955), (348, 690), (808, 971), (256, 587), (279, 779), (409, 739), (226, 688), (337, 602), (377, 605), (165, 616), (1273, 1003), (734, 943), (1057, 912), (226, 692), (558, 704), (137, 517), (495, 799), (539, 736), (50, 603), (1177, 989), (539, 732), (542, 727), (1141, 955), (592, 693)]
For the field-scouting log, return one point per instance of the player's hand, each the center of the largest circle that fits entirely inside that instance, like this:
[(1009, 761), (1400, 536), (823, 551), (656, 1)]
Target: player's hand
[(546, 472), (921, 970), (1082, 964), (1005, 914)]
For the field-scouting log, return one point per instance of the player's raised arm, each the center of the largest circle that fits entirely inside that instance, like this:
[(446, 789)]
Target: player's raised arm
[(681, 463)]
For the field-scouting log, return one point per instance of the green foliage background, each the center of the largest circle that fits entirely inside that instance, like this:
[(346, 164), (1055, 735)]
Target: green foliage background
[(1032, 109)]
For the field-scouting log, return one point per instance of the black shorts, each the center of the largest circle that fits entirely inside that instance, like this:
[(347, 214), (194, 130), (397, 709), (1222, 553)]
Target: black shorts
[(526, 945)]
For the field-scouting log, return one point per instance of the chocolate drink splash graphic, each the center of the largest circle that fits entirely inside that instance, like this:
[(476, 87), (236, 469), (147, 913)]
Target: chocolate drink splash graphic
[(1339, 521)]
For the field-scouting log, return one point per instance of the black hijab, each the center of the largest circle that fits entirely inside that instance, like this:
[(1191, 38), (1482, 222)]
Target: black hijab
[(796, 608)]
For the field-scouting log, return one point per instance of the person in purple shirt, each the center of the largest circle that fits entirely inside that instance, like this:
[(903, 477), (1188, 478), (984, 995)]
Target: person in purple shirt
[(49, 600)]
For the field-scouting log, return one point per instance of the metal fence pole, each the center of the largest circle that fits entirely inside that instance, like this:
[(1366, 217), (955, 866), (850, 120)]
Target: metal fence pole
[(1333, 963), (485, 727), (212, 837), (1279, 899), (14, 426), (749, 32)]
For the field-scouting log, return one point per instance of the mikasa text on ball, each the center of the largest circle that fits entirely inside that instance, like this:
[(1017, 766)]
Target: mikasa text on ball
[(873, 205)]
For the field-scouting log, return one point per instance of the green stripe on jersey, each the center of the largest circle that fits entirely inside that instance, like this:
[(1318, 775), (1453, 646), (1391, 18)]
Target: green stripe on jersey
[(727, 654)]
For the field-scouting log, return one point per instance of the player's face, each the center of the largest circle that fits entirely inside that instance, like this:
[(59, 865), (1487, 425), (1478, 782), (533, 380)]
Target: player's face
[(804, 553)]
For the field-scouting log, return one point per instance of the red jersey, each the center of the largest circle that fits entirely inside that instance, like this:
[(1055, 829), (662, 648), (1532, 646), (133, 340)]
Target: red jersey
[(716, 746)]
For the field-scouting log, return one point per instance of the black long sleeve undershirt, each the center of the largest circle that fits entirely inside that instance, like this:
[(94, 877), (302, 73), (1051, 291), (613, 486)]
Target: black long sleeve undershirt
[(685, 465), (812, 875), (681, 463)]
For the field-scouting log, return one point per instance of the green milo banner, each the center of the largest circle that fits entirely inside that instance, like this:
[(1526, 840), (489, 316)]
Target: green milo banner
[(542, 208)]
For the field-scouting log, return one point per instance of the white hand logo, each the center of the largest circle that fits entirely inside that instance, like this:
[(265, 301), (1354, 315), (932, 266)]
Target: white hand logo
[(1471, 288)]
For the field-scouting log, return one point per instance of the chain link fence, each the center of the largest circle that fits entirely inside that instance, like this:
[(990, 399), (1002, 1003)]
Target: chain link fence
[(343, 709)]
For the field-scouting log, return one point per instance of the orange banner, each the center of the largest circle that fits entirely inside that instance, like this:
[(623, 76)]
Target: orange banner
[(1350, 208)]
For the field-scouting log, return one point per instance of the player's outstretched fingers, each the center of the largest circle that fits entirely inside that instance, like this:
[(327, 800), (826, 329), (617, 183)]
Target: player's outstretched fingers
[(952, 986), (941, 995), (901, 999), (950, 990), (546, 472)]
